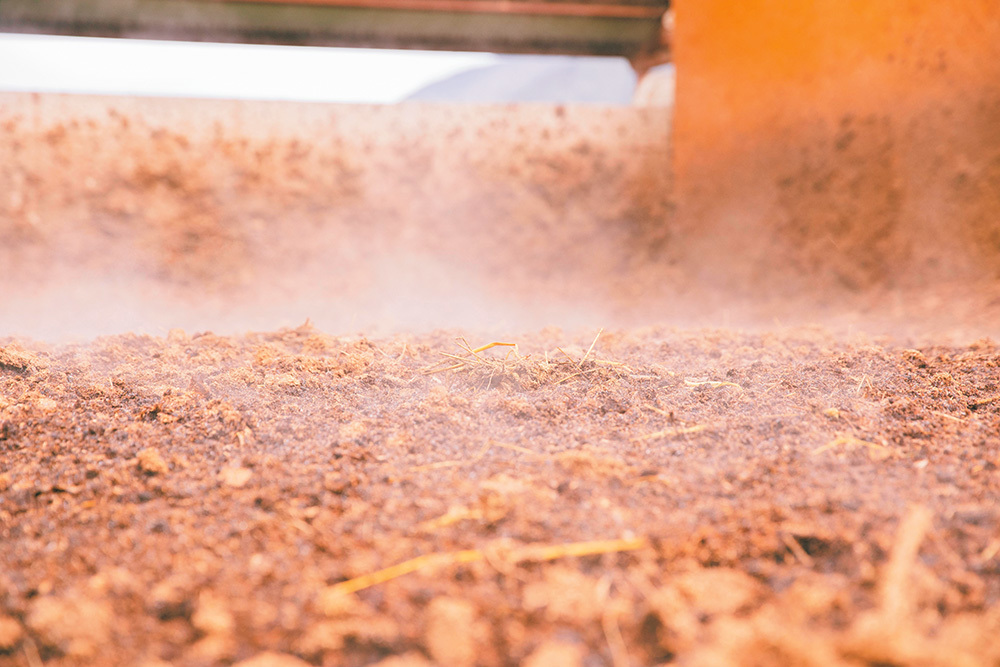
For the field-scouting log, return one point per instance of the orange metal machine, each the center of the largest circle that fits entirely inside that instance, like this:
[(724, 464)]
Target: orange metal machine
[(865, 131)]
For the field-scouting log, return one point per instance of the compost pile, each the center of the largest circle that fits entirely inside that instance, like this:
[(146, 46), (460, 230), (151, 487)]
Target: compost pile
[(463, 482)]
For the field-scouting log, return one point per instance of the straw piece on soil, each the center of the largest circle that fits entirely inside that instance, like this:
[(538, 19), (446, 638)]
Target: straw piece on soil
[(889, 634), (984, 401), (591, 348), (947, 416), (464, 360), (796, 549), (991, 550), (851, 441), (896, 590), (568, 358), (613, 635), (570, 377), (30, 651), (452, 516), (673, 432), (714, 384), (530, 553)]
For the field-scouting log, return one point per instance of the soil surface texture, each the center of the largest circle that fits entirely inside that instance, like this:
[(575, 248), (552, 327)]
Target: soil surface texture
[(644, 496), (446, 488)]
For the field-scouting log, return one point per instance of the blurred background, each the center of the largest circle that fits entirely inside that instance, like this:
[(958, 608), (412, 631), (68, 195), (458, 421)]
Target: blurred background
[(62, 64), (384, 166)]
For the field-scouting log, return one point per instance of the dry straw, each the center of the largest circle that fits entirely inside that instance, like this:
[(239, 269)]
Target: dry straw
[(523, 370), (532, 553)]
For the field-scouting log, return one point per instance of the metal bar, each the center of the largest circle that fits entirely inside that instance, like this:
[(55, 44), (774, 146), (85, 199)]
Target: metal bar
[(356, 23), (527, 7)]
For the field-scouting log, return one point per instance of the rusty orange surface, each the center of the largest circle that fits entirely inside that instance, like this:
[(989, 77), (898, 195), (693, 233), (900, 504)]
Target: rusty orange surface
[(748, 66), (859, 136)]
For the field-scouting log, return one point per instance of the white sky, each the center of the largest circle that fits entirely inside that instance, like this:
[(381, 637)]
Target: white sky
[(44, 63)]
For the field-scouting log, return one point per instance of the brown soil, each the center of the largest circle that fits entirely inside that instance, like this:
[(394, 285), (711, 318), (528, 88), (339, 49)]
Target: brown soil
[(779, 495), (705, 497)]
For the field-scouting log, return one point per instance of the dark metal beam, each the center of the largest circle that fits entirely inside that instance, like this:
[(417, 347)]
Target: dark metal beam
[(650, 9), (624, 28)]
